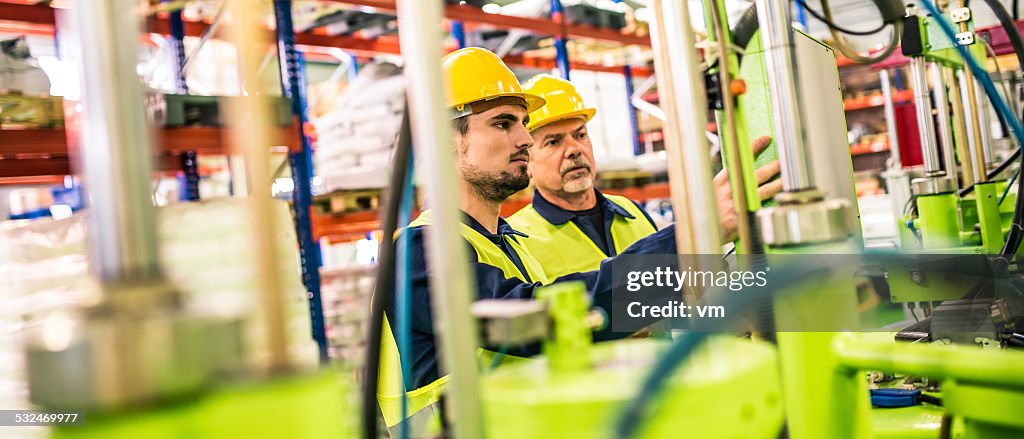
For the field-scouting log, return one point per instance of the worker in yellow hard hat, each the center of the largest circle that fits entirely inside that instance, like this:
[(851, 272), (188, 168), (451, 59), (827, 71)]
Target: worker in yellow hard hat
[(490, 141), (572, 225)]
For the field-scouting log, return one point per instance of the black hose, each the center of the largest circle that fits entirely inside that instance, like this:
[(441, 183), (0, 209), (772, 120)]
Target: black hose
[(994, 172), (1015, 236), (384, 289), (744, 29)]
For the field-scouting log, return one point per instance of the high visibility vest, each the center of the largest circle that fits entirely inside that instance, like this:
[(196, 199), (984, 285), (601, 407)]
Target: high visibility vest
[(391, 388), (564, 249)]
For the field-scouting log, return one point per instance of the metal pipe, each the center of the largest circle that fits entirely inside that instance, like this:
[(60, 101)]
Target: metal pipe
[(248, 118), (561, 50), (634, 126), (450, 277), (960, 134), (637, 99), (976, 152), (114, 140), (787, 112), (945, 130), (890, 122), (689, 163), (293, 84), (986, 126), (923, 106), (203, 39), (999, 367), (732, 143)]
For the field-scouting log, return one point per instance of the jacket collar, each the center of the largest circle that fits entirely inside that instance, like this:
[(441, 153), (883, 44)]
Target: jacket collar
[(558, 216)]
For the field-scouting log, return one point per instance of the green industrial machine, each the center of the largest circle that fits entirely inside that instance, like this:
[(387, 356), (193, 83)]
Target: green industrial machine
[(817, 377)]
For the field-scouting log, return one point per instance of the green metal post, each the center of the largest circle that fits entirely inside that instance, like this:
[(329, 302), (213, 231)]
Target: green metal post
[(987, 200), (816, 399), (938, 220), (568, 349)]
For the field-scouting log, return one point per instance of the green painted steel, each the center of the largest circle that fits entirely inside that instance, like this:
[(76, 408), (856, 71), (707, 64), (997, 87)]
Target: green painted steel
[(818, 402), (318, 405), (568, 349), (728, 389), (989, 220), (938, 221)]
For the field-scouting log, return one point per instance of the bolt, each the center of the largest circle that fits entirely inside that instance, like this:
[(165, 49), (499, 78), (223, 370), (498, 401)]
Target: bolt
[(917, 277)]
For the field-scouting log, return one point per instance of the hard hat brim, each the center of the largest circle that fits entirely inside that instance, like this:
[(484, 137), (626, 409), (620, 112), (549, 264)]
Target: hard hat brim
[(533, 102), (586, 114)]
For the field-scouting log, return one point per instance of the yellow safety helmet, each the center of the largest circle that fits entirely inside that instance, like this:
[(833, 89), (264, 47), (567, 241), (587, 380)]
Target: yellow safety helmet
[(562, 101), (476, 75)]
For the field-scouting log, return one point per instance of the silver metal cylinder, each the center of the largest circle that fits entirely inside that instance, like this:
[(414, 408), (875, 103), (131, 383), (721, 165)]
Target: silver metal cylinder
[(970, 116), (450, 278), (923, 105), (985, 121), (787, 113), (945, 125), (114, 141), (684, 103), (890, 121)]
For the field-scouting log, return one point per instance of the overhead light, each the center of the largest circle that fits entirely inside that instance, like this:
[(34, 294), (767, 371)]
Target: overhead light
[(492, 8), (643, 14)]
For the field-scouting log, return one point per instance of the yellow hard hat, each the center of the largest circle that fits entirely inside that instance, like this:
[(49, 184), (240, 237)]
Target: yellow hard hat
[(562, 101), (475, 75)]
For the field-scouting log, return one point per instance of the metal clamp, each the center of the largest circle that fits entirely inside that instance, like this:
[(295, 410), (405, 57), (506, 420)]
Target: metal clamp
[(932, 185), (806, 223)]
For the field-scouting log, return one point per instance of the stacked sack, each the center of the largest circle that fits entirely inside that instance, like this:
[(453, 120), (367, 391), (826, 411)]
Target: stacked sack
[(355, 140)]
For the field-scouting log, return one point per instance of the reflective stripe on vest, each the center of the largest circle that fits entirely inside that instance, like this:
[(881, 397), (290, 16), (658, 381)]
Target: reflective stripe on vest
[(390, 389), (564, 249)]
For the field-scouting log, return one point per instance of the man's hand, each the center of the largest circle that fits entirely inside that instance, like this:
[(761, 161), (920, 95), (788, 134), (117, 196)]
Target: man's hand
[(766, 190)]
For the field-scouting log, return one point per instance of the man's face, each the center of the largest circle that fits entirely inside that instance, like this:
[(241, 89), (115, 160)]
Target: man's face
[(494, 153), (563, 158)]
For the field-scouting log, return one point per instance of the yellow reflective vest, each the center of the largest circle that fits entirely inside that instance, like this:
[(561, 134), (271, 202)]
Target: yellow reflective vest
[(422, 402), (564, 249)]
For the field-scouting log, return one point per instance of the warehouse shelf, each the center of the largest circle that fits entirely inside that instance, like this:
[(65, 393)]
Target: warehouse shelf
[(473, 15), (868, 148), (39, 153), (350, 226), (42, 16), (875, 101)]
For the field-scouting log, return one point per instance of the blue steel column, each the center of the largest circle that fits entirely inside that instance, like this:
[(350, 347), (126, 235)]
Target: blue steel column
[(459, 33), (293, 83), (627, 74), (561, 51), (189, 159), (801, 15)]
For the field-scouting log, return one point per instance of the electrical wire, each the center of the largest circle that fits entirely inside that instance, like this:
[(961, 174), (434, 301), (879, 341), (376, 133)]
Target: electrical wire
[(831, 25), (403, 300), (849, 52), (995, 172), (1014, 238), (1008, 185), (1002, 79)]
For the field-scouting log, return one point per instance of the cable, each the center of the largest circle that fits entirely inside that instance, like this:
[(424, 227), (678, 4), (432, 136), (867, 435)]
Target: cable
[(1014, 238), (995, 172), (384, 288), (847, 51), (404, 297), (1008, 185), (834, 26)]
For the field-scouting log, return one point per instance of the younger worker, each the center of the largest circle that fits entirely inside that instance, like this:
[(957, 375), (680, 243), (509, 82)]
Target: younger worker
[(573, 226), (490, 142)]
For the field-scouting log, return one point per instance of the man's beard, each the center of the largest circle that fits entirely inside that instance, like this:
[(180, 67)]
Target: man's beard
[(581, 183), (495, 187)]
